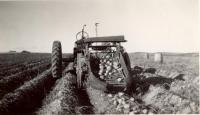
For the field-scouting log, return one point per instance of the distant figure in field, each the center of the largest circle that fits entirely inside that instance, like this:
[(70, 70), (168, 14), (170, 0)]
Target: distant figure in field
[(158, 57), (146, 56)]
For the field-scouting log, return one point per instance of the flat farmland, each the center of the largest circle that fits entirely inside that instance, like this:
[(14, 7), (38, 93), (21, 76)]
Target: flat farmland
[(27, 87), (186, 63)]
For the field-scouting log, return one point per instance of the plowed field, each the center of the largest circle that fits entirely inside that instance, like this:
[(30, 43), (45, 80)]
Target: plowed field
[(27, 87)]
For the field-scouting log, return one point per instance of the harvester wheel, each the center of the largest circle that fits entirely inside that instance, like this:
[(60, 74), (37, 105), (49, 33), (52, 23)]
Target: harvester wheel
[(79, 79), (127, 60), (79, 70), (56, 59)]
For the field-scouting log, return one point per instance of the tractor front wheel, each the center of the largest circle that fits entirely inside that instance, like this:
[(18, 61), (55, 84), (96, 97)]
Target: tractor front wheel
[(56, 59)]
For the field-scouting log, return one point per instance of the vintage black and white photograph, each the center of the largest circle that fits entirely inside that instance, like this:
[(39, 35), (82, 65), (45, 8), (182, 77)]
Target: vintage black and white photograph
[(62, 57)]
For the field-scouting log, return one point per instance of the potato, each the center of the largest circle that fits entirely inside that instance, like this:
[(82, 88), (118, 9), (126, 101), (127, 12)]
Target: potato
[(110, 95), (101, 65), (115, 63), (108, 57), (101, 68), (119, 79), (102, 77), (101, 73), (126, 106), (119, 69), (132, 99), (115, 103), (110, 63), (119, 101), (110, 73), (108, 68), (106, 74), (114, 70), (120, 94), (145, 111)]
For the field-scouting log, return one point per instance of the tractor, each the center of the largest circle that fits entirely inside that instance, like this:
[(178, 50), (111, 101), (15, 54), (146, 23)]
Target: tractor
[(100, 62)]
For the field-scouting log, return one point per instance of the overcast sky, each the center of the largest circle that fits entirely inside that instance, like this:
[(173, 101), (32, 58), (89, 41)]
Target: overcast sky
[(148, 25)]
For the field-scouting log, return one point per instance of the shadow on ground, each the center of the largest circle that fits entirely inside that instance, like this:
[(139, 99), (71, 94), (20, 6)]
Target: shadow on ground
[(84, 104), (85, 107)]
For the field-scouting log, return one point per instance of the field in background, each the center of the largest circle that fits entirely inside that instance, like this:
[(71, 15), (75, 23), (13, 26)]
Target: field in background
[(186, 63)]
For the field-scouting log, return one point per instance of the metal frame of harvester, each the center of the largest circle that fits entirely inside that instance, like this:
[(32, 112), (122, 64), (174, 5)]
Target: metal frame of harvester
[(84, 51)]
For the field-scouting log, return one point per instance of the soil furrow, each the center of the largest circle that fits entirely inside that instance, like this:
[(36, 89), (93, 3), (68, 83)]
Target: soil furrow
[(10, 83), (27, 98)]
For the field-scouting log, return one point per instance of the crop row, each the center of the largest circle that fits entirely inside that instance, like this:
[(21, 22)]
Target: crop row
[(65, 98), (27, 98), (21, 68), (7, 59), (21, 64), (10, 83), (62, 99)]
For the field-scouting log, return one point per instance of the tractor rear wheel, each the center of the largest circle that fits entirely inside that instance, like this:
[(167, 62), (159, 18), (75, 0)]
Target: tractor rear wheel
[(56, 59)]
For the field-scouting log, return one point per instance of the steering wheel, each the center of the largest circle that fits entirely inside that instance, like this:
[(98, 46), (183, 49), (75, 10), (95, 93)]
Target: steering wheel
[(82, 35)]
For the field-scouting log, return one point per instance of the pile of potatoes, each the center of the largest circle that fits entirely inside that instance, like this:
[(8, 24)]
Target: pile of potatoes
[(109, 67), (127, 104)]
